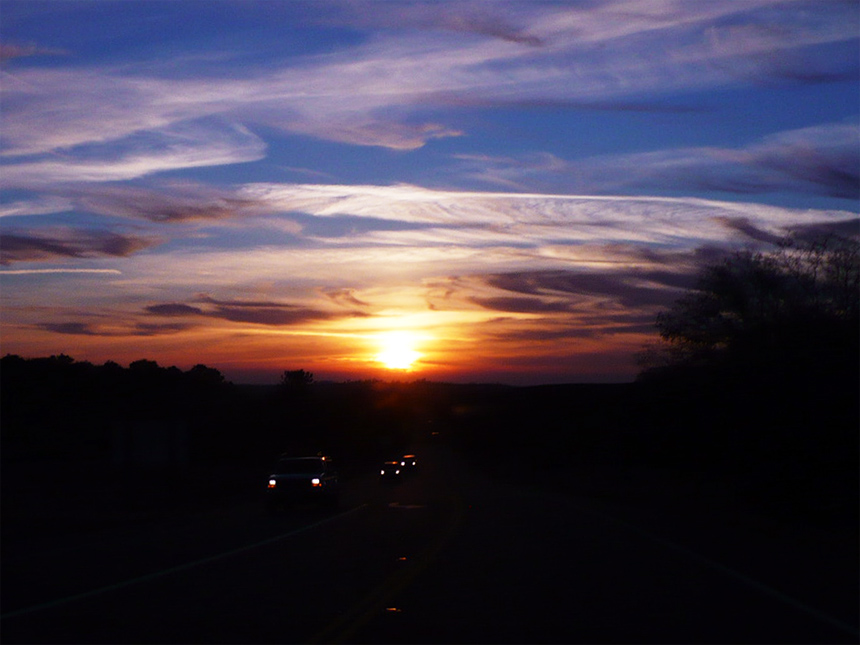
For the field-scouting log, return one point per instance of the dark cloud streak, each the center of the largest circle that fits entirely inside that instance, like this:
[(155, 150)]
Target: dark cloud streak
[(521, 305), (168, 203), (633, 290), (253, 312), (71, 328), (174, 309), (278, 317), (88, 329), (743, 225), (347, 297), (62, 244)]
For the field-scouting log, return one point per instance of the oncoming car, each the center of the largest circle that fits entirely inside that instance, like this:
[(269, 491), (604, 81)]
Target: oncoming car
[(297, 480), (391, 471), (409, 462)]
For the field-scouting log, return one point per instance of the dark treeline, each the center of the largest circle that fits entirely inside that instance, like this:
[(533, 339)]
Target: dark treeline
[(794, 454), (57, 406)]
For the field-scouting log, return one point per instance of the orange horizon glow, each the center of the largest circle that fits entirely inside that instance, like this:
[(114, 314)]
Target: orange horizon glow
[(464, 346)]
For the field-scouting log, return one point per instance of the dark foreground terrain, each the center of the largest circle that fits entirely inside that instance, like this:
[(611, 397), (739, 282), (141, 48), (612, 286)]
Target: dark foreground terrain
[(456, 553), (719, 508)]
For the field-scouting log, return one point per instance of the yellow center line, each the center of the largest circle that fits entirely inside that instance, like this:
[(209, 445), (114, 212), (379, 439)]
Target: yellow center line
[(345, 627)]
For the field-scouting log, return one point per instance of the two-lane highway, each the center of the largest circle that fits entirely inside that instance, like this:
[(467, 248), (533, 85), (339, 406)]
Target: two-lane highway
[(446, 556)]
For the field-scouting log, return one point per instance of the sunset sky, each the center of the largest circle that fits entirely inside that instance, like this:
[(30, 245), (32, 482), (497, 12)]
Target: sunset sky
[(465, 191)]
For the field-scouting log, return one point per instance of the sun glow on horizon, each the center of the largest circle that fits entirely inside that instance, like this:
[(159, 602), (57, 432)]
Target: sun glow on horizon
[(398, 350)]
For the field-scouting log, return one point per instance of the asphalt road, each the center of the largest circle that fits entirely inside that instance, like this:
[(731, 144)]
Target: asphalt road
[(448, 556)]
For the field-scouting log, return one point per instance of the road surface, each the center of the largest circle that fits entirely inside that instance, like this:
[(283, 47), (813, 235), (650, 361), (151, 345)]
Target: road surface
[(448, 556)]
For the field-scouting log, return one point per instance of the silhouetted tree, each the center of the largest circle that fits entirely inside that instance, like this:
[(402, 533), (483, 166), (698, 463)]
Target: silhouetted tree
[(59, 403), (792, 309), (205, 375), (143, 365), (296, 378)]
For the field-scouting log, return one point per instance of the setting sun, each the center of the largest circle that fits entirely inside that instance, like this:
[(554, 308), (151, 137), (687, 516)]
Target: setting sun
[(398, 350)]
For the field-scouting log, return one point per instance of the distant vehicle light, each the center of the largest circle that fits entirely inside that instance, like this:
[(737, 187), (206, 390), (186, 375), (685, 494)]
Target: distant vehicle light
[(413, 463), (272, 483), (381, 472), (315, 482), (396, 472), (402, 463)]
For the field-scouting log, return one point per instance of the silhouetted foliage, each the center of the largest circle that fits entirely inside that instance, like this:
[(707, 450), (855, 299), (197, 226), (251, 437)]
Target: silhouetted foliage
[(790, 312), (205, 376), (296, 378), (57, 403)]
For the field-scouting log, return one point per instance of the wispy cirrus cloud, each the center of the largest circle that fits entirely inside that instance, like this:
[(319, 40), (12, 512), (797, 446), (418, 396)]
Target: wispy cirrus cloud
[(60, 271), (40, 205), (388, 233), (485, 52), (183, 147), (821, 160), (530, 218), (502, 20)]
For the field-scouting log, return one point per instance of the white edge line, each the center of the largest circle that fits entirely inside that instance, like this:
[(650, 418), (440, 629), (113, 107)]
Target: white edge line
[(166, 572), (737, 575)]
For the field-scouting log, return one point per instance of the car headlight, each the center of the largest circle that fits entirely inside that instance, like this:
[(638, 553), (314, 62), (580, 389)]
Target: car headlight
[(381, 472), (316, 482), (396, 472), (272, 483)]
